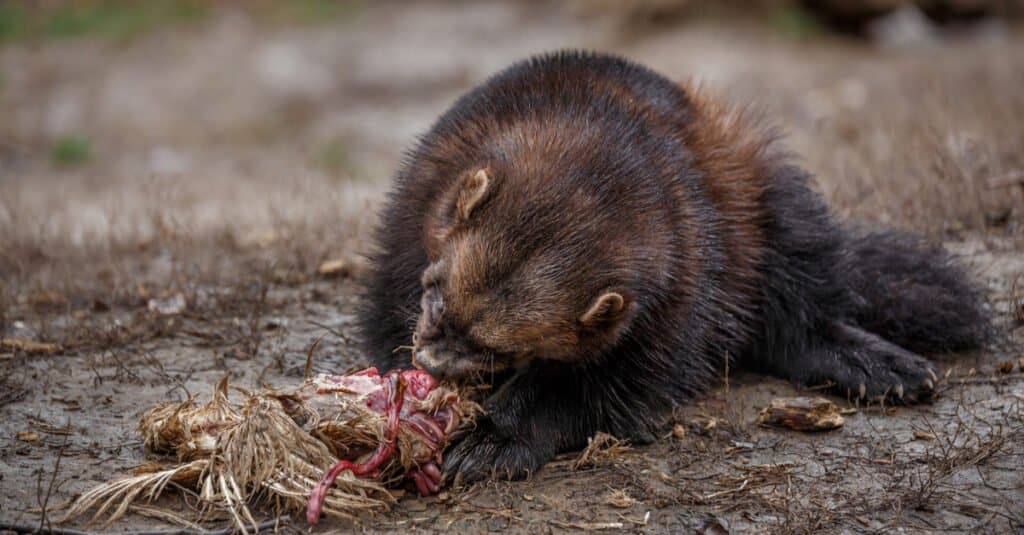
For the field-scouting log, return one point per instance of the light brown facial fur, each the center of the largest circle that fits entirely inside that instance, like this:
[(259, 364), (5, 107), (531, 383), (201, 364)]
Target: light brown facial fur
[(541, 249), (490, 304)]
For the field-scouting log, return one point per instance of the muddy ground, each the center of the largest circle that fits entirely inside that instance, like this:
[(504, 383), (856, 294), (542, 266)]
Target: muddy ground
[(165, 202)]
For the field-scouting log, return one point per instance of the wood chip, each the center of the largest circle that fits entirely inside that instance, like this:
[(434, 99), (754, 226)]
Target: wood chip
[(338, 267), (802, 414), (923, 435), (27, 436), (28, 346)]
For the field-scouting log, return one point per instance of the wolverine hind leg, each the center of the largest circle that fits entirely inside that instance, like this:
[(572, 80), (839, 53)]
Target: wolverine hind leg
[(815, 301), (861, 365)]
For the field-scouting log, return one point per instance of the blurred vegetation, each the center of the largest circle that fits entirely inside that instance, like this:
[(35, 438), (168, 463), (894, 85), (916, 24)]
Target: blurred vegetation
[(795, 22), (334, 157), (126, 19), (119, 20), (12, 21), (71, 150), (305, 11)]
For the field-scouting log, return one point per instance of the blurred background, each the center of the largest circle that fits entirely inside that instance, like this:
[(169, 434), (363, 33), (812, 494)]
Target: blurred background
[(186, 187), (140, 136)]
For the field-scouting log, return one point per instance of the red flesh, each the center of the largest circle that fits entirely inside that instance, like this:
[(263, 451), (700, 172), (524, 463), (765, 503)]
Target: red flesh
[(427, 479), (395, 393)]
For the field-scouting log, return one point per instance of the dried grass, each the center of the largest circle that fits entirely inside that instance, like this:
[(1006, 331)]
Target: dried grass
[(270, 449), (930, 145), (601, 447)]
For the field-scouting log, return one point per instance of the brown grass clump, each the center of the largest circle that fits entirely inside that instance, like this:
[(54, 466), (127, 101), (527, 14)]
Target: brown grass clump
[(272, 448), (600, 447)]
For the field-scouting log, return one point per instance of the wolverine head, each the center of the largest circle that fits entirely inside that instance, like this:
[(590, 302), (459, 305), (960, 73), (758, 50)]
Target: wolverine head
[(519, 269)]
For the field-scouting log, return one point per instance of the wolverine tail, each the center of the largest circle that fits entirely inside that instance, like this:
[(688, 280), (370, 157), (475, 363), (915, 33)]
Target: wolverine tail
[(914, 294)]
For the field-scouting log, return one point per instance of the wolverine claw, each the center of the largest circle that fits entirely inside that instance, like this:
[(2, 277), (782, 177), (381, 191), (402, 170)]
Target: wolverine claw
[(486, 453), (876, 370)]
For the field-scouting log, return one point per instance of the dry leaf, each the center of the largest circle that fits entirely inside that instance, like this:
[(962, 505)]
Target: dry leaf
[(338, 267)]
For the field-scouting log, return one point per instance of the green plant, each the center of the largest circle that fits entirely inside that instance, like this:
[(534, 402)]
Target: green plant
[(796, 23), (71, 150), (12, 22)]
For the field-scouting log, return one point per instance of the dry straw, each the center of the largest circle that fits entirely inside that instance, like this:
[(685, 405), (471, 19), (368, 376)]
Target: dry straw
[(271, 448)]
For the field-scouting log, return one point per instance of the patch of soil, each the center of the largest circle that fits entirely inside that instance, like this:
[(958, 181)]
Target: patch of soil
[(953, 464)]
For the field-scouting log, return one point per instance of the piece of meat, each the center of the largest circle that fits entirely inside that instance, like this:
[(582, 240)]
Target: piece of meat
[(394, 394), (270, 446), (412, 403)]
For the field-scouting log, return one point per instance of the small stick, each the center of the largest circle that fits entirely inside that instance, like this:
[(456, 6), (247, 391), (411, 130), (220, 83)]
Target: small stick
[(308, 372), (43, 517)]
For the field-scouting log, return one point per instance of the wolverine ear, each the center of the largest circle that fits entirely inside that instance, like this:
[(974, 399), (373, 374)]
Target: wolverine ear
[(472, 191), (608, 307)]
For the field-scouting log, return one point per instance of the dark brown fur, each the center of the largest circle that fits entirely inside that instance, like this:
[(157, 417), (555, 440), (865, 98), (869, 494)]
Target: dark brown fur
[(596, 240)]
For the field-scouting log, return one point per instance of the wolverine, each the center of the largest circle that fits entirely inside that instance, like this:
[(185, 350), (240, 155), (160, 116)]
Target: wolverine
[(595, 242)]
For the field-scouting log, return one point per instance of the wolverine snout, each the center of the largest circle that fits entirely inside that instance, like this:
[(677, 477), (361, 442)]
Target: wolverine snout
[(443, 364), (445, 357), (424, 359)]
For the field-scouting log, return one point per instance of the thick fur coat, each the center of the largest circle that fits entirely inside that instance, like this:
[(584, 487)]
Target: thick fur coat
[(596, 240)]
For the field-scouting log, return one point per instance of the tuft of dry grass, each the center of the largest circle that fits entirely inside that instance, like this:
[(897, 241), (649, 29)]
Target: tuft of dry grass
[(601, 447), (271, 447)]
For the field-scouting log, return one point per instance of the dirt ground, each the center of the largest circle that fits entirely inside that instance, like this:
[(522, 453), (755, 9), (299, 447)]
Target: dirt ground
[(165, 203)]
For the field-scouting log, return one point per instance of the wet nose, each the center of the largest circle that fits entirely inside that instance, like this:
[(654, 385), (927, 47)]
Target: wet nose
[(426, 360)]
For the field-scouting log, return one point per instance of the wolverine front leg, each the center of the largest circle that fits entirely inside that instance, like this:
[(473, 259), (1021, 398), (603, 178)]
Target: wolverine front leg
[(545, 410), (533, 416)]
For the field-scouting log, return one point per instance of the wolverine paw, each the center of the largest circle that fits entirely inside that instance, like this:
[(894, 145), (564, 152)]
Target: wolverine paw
[(874, 369), (486, 452)]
